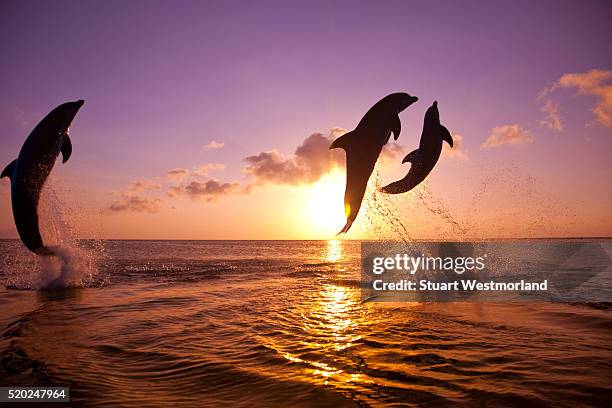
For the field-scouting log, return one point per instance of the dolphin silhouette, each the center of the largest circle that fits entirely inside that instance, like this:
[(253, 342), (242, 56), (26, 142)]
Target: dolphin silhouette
[(30, 170), (426, 156), (363, 146)]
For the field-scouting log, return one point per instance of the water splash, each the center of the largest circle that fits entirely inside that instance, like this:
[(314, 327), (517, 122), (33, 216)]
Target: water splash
[(491, 210), (76, 261), (522, 207), (395, 217), (380, 206), (436, 207)]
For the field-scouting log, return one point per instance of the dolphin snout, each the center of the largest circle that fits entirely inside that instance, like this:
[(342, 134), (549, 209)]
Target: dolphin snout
[(76, 105), (406, 101), (69, 110)]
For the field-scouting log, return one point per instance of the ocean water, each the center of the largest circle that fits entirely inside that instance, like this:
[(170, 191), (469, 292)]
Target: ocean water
[(278, 324)]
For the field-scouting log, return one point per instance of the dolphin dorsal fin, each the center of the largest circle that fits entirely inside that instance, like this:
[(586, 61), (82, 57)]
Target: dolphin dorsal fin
[(66, 149), (412, 157), (343, 141), (8, 170)]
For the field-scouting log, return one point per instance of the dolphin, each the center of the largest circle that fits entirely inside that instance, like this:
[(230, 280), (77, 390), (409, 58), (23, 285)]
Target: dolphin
[(30, 170), (363, 146), (426, 156)]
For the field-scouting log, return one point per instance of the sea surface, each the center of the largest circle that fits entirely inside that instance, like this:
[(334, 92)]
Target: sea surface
[(282, 324)]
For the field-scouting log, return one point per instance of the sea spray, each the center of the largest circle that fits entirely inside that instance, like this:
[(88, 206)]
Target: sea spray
[(75, 263), (383, 207), (69, 267), (508, 203), (489, 208), (396, 217), (381, 218), (436, 207)]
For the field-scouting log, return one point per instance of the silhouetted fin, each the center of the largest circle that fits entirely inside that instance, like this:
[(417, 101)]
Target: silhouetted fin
[(412, 157), (346, 227), (66, 149), (396, 187), (343, 141), (396, 127), (446, 136), (8, 170)]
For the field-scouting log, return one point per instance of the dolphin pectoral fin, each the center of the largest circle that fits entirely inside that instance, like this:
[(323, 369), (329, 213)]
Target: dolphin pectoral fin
[(388, 137), (66, 149), (412, 157), (446, 136), (396, 127), (8, 170)]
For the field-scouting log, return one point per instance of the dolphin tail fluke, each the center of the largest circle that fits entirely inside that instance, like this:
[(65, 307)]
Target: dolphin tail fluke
[(343, 141), (345, 229), (8, 170), (396, 187)]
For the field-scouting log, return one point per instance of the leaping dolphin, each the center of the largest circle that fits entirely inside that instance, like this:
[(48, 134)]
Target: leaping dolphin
[(426, 156), (363, 146), (30, 170)]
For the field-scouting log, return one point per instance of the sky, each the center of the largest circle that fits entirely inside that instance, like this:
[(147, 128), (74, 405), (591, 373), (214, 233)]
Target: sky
[(212, 119)]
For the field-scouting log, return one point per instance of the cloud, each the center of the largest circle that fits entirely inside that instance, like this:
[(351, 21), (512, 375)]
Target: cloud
[(208, 190), (595, 83), (457, 151), (204, 169), (178, 174), (306, 165), (391, 152), (310, 161), (133, 203), (138, 186), (507, 134), (553, 118), (214, 145)]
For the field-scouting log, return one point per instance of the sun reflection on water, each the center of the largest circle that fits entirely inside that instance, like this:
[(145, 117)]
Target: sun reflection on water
[(336, 307), (331, 320), (333, 251)]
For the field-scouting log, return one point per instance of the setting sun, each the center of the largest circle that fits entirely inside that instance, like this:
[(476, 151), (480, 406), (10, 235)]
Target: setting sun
[(324, 205)]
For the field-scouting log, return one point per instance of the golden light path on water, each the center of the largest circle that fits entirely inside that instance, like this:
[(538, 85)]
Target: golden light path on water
[(334, 250), (331, 318)]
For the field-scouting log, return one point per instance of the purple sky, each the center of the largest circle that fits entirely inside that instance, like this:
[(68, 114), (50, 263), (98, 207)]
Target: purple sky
[(161, 79)]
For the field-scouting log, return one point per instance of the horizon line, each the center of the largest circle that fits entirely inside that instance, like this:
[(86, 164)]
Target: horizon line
[(336, 239)]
